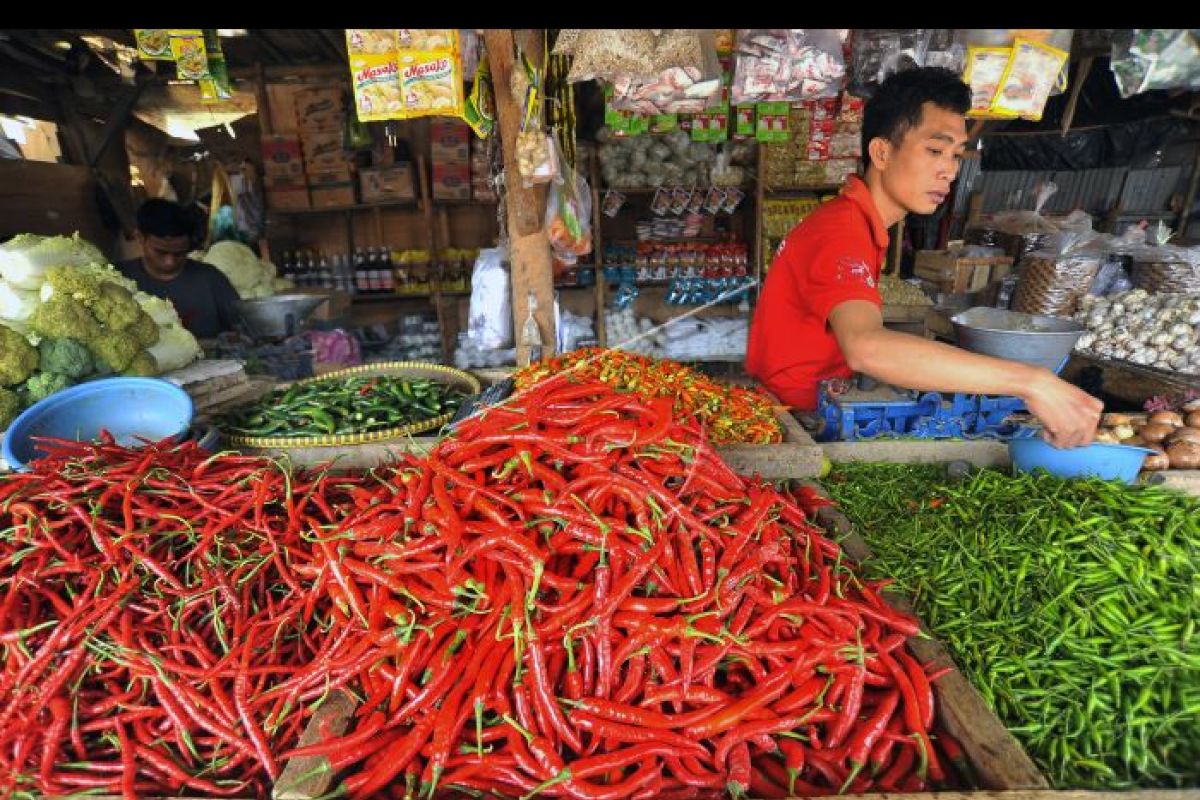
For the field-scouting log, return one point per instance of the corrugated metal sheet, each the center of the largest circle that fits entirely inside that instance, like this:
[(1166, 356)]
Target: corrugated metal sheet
[(968, 177), (1096, 191), (1150, 189)]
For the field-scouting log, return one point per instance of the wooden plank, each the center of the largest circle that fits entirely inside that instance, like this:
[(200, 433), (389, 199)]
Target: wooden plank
[(997, 757), (980, 452), (1183, 480), (798, 456), (529, 248), (306, 778)]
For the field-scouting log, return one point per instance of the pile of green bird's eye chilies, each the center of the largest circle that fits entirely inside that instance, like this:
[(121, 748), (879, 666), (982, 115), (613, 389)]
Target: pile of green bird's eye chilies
[(343, 405), (1071, 605)]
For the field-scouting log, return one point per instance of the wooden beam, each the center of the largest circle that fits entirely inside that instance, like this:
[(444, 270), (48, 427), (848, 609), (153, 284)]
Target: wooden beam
[(117, 121), (336, 46), (1085, 66), (529, 249), (263, 101), (279, 72), (261, 37)]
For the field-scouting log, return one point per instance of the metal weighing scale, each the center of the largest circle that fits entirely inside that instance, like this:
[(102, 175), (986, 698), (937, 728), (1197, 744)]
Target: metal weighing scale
[(850, 411)]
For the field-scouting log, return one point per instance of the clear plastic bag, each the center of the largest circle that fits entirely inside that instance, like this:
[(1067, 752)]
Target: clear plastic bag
[(879, 52), (537, 156), (1052, 281), (778, 64), (568, 219), (1144, 59), (490, 326)]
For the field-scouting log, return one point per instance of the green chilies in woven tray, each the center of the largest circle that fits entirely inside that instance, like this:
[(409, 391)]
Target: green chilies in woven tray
[(1071, 606), (342, 406)]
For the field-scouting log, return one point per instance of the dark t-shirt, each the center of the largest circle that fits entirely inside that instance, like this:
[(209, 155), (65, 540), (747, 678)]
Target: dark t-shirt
[(201, 294)]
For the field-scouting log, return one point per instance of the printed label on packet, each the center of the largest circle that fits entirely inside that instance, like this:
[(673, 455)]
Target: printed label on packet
[(376, 80), (680, 199), (612, 203), (715, 200), (696, 204), (661, 204), (733, 198), (430, 85)]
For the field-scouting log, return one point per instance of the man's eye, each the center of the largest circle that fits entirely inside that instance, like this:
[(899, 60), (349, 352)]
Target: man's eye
[(933, 152)]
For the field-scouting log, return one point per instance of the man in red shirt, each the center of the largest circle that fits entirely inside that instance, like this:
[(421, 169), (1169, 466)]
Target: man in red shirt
[(819, 314)]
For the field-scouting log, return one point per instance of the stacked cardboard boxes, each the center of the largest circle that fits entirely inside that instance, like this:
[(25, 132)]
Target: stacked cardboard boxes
[(320, 120), (283, 173), (450, 146), (386, 184)]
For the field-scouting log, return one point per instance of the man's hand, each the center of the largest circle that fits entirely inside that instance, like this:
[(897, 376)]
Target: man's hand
[(1069, 415)]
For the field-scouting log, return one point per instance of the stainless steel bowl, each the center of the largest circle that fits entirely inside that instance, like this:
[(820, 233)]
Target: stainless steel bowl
[(279, 316), (1031, 338)]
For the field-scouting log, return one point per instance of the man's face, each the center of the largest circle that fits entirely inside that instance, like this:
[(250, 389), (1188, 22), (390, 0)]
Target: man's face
[(164, 255), (918, 172)]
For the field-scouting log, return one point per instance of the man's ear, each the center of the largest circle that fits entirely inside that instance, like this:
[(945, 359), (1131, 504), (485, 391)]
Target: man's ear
[(880, 151)]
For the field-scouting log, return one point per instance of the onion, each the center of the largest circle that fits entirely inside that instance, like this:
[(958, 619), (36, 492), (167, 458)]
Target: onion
[(1167, 418), (1155, 431), (1192, 420), (1123, 432), (1157, 461), (1134, 441), (1192, 405), (1184, 455), (1115, 420), (1107, 437), (1184, 435)]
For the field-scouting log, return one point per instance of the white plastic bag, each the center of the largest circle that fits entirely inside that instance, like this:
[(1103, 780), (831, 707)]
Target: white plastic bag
[(490, 323)]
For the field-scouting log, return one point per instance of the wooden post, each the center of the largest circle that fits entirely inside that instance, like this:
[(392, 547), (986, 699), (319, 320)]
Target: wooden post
[(1185, 213), (601, 286), (529, 249), (1085, 66)]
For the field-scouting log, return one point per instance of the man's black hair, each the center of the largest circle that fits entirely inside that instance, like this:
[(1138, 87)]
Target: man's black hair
[(897, 104), (164, 219)]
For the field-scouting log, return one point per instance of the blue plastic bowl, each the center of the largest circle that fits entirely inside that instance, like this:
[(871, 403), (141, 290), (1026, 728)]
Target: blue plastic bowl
[(131, 409), (1112, 462)]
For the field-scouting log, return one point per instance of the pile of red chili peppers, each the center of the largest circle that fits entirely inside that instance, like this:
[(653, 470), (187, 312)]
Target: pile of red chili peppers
[(730, 414), (572, 596)]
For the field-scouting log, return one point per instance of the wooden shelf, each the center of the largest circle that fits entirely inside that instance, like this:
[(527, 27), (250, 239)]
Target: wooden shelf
[(781, 192), (409, 204), (392, 298), (748, 188)]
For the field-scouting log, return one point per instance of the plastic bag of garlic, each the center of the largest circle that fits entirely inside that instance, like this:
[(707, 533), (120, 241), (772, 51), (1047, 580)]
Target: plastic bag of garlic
[(1153, 330)]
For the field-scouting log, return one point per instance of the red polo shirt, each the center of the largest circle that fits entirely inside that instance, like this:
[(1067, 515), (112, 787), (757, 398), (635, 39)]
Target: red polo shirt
[(833, 256)]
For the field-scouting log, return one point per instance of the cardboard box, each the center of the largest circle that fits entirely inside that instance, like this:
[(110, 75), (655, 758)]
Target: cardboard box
[(323, 148), (450, 142), (284, 182), (333, 196), (288, 199), (451, 182), (953, 274), (383, 184), (282, 157), (330, 177), (320, 109), (282, 104)]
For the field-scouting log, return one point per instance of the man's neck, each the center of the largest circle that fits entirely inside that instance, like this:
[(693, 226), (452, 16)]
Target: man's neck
[(890, 212), (160, 276)]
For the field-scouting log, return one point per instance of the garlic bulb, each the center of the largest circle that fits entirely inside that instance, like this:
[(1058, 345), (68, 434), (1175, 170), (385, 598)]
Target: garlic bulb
[(1181, 343), (1160, 339)]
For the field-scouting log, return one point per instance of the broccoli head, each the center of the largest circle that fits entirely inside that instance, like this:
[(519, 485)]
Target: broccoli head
[(143, 365), (71, 283), (144, 330), (117, 350), (60, 317), (18, 358), (68, 357), (10, 406), (42, 385), (115, 307)]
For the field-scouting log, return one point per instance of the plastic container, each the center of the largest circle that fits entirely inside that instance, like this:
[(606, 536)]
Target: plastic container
[(133, 410), (1111, 462)]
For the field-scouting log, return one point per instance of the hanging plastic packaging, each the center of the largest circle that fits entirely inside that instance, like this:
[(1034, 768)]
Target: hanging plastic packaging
[(1144, 59)]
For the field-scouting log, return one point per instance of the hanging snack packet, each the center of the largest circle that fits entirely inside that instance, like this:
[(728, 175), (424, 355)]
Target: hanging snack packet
[(430, 83), (733, 198), (715, 200), (427, 39), (374, 73), (1029, 79), (153, 44), (985, 70), (480, 108), (680, 199), (190, 54)]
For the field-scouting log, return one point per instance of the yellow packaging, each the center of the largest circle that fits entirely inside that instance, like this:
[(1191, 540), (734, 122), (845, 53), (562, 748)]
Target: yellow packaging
[(191, 56), (153, 44), (427, 39), (370, 41), (376, 86), (431, 84), (1032, 72), (985, 71)]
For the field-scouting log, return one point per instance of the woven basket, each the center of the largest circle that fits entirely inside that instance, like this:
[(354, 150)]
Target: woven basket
[(1052, 286), (395, 369), (1166, 277)]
